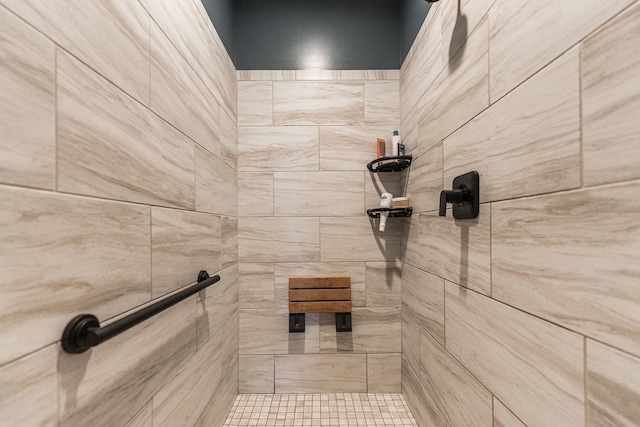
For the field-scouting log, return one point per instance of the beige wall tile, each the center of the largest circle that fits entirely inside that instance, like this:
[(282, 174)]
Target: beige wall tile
[(255, 194), (278, 239), (318, 193), (382, 102), (526, 37), (451, 389), (255, 103), (613, 389), (317, 75), (215, 413), (384, 283), (256, 285), (458, 250), (80, 28), (458, 21), (411, 240), (217, 307), (409, 131), (318, 103), (326, 373), (611, 101), (375, 330), (413, 392), (383, 373), (502, 417), (182, 244), (345, 148), (216, 185), (257, 374), (572, 258), (27, 106), (144, 417), (111, 146), (358, 239), (527, 143), (229, 254), (410, 342), (268, 148), (526, 362), (423, 301), (459, 93), (64, 255), (31, 379), (267, 332), (228, 139), (266, 74), (425, 180)]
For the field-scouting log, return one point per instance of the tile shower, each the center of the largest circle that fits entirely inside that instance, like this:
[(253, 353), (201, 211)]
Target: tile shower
[(133, 154)]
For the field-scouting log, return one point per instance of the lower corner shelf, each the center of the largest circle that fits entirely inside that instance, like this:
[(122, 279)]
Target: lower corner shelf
[(393, 212)]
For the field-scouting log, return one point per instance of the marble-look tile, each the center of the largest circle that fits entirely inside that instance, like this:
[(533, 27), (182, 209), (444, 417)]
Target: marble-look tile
[(228, 139), (526, 362), (229, 254), (216, 411), (411, 238), (375, 330), (255, 194), (459, 19), (268, 148), (27, 106), (267, 332), (409, 130), (111, 146), (572, 258), (458, 250), (318, 103), (450, 389), (321, 193), (64, 255), (279, 239), (31, 379), (256, 285), (216, 306), (528, 142), (611, 101), (413, 392), (318, 75), (255, 103), (144, 417), (423, 300), (350, 148), (425, 180), (137, 363), (384, 373), (257, 374), (377, 183), (358, 239), (180, 97), (216, 185), (382, 103), (459, 93), (321, 373), (81, 27), (503, 417), (182, 244), (613, 387), (384, 283), (247, 75), (355, 270), (526, 37), (410, 342)]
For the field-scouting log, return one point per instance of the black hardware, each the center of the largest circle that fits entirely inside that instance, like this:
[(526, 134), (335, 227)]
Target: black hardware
[(465, 196), (390, 164), (84, 331), (296, 322), (343, 322), (393, 212)]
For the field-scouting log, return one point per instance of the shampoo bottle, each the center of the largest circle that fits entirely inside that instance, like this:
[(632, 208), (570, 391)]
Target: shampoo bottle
[(385, 202), (395, 140)]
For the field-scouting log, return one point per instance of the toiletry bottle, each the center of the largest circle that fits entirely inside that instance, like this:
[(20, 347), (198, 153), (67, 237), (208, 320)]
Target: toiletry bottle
[(395, 140), (381, 147), (385, 202)]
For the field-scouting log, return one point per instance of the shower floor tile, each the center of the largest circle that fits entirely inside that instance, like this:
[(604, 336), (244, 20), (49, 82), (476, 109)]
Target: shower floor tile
[(335, 409)]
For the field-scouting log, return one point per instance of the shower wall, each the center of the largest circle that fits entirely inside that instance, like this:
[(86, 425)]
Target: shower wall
[(304, 139), (529, 314), (118, 184)]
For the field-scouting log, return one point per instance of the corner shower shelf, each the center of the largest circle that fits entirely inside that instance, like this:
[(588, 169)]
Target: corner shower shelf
[(390, 164), (393, 212)]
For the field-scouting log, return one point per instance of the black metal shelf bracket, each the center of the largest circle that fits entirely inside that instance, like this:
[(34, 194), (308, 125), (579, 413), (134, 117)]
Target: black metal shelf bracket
[(84, 331), (393, 212)]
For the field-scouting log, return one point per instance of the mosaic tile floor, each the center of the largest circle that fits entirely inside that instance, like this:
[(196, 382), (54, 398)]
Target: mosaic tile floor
[(337, 409)]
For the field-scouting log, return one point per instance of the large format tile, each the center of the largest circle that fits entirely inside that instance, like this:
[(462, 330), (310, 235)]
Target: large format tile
[(64, 255), (459, 19), (256, 285), (182, 244), (613, 387), (268, 148), (267, 332), (382, 103), (425, 180), (413, 392), (144, 417), (111, 37), (255, 194), (458, 250), (527, 36), (528, 142), (451, 389), (216, 185), (257, 374), (384, 283), (377, 183), (423, 300), (255, 103), (384, 373), (572, 258), (217, 308), (410, 342), (358, 239), (502, 417), (27, 106), (345, 148), (611, 101), (526, 362), (321, 373), (321, 193), (278, 239), (229, 255), (31, 379), (228, 139), (111, 146)]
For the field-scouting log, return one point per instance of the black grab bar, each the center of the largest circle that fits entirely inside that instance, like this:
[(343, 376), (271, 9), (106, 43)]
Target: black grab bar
[(84, 331)]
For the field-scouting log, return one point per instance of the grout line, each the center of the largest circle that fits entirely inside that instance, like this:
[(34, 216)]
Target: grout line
[(580, 116), (55, 118), (585, 383)]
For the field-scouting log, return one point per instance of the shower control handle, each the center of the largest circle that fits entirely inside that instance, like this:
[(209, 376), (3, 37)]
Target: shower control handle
[(465, 196), (457, 196)]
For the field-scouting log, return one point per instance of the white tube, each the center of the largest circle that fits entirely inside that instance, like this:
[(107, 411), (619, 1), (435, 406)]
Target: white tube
[(385, 202)]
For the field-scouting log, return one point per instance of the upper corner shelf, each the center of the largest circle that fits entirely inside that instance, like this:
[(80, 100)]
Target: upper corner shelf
[(390, 164)]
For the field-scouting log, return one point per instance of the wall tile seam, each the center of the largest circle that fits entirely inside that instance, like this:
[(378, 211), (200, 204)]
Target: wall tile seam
[(30, 353), (496, 398), (248, 78)]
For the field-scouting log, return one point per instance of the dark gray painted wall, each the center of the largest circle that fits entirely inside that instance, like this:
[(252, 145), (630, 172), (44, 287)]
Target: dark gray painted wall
[(413, 14), (221, 14)]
